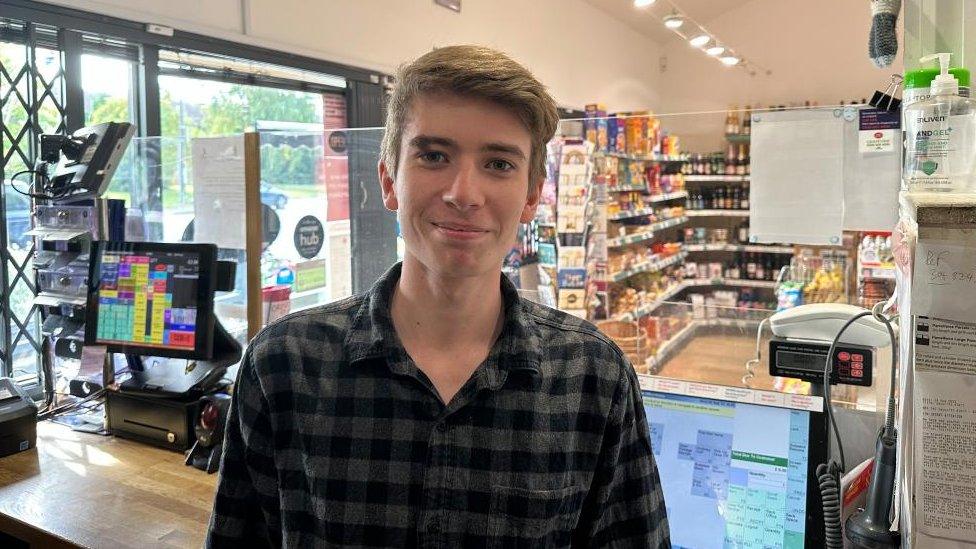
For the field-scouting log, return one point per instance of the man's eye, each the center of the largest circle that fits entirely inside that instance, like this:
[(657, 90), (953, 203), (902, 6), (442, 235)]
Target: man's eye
[(501, 165), (433, 157)]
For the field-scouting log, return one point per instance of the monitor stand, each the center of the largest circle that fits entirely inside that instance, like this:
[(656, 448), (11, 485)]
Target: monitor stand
[(182, 379)]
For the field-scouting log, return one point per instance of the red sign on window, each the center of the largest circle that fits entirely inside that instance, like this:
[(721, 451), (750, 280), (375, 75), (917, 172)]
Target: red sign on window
[(335, 164)]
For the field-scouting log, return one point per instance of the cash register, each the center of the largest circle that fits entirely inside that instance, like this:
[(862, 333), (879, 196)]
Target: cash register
[(153, 304)]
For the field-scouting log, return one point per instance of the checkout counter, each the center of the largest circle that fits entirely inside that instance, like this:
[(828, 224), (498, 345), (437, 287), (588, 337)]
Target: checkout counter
[(86, 490), (737, 452)]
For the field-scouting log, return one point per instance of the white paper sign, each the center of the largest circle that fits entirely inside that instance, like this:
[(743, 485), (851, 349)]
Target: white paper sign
[(797, 177), (218, 191), (944, 281), (945, 471), (873, 141)]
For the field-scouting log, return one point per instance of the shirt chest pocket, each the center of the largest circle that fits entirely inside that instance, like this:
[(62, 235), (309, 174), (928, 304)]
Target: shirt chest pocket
[(519, 517)]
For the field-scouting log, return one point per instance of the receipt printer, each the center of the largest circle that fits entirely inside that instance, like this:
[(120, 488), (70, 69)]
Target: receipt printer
[(18, 419)]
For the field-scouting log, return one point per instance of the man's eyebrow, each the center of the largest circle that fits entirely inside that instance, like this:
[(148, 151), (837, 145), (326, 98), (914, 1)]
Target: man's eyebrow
[(426, 141), (504, 148)]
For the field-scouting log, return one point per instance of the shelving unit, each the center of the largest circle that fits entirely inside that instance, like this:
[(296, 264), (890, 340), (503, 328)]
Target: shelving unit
[(716, 178), (647, 158), (736, 282), (747, 248), (647, 211), (645, 310), (645, 235), (647, 267), (717, 213)]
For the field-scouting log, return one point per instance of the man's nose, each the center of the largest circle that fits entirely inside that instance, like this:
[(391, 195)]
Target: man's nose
[(464, 193)]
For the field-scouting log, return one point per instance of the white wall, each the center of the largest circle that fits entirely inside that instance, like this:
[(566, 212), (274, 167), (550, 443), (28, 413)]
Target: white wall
[(581, 53), (816, 51)]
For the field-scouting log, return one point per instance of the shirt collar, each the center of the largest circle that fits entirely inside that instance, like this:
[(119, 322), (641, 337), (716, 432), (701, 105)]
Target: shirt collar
[(372, 334)]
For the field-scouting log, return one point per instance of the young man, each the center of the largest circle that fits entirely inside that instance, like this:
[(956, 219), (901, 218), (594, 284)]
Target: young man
[(439, 409)]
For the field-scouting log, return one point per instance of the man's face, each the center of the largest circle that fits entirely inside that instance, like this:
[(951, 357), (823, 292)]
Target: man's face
[(461, 189)]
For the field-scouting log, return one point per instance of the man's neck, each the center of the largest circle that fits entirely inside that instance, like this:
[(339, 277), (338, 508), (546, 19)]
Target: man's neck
[(446, 312)]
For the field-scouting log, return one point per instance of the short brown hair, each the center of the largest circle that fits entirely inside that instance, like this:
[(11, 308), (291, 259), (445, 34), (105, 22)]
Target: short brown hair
[(480, 72)]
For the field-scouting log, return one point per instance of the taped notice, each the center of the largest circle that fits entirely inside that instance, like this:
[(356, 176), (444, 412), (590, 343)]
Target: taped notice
[(945, 455), (945, 346)]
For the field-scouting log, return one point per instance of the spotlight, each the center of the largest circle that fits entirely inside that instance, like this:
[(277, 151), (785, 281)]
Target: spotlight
[(673, 21), (643, 3), (700, 40), (730, 60), (715, 50)]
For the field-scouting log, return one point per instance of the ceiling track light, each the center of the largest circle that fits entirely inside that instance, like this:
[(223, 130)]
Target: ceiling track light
[(643, 3), (700, 40), (715, 51), (729, 60), (674, 21)]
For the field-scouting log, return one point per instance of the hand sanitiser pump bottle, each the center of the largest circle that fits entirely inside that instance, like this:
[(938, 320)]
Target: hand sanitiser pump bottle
[(940, 135)]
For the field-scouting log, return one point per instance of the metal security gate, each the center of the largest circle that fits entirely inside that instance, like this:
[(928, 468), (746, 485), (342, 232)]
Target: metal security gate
[(32, 101)]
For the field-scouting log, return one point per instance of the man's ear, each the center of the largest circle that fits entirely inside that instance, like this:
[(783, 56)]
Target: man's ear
[(532, 202), (388, 184)]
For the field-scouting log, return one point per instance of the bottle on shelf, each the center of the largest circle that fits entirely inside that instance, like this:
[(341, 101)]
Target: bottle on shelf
[(736, 198), (734, 269), (732, 121), (750, 266), (744, 200), (747, 121)]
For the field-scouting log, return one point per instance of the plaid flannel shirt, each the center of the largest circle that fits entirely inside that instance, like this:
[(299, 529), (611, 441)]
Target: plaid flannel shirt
[(336, 438)]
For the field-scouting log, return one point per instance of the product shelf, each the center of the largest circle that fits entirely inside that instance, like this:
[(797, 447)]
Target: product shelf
[(647, 211), (651, 307), (738, 137), (645, 157), (634, 189), (716, 178), (645, 235), (647, 267), (757, 248), (717, 213), (738, 282)]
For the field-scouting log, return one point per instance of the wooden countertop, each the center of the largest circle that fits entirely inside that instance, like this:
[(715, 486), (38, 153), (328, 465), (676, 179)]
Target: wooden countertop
[(78, 489)]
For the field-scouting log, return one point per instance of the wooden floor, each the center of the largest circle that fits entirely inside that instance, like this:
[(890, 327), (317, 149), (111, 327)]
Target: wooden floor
[(719, 359)]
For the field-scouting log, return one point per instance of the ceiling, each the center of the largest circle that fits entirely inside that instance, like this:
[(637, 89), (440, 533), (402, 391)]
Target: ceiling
[(647, 21)]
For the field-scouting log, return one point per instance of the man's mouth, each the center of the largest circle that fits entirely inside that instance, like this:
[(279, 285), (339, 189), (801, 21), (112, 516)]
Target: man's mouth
[(458, 227)]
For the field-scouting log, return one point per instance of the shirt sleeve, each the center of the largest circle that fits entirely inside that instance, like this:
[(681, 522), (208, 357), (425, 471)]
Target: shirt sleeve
[(625, 506), (246, 509)]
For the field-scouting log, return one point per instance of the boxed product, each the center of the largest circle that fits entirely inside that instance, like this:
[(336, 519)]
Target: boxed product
[(595, 125), (612, 133), (636, 133), (621, 132)]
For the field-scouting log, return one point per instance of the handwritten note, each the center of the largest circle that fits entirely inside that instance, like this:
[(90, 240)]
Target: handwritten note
[(944, 281)]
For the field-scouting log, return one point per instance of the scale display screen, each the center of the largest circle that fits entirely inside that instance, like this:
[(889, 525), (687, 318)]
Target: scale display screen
[(804, 361)]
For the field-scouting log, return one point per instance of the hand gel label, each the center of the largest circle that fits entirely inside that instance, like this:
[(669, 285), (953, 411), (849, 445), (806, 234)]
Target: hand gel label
[(940, 154)]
